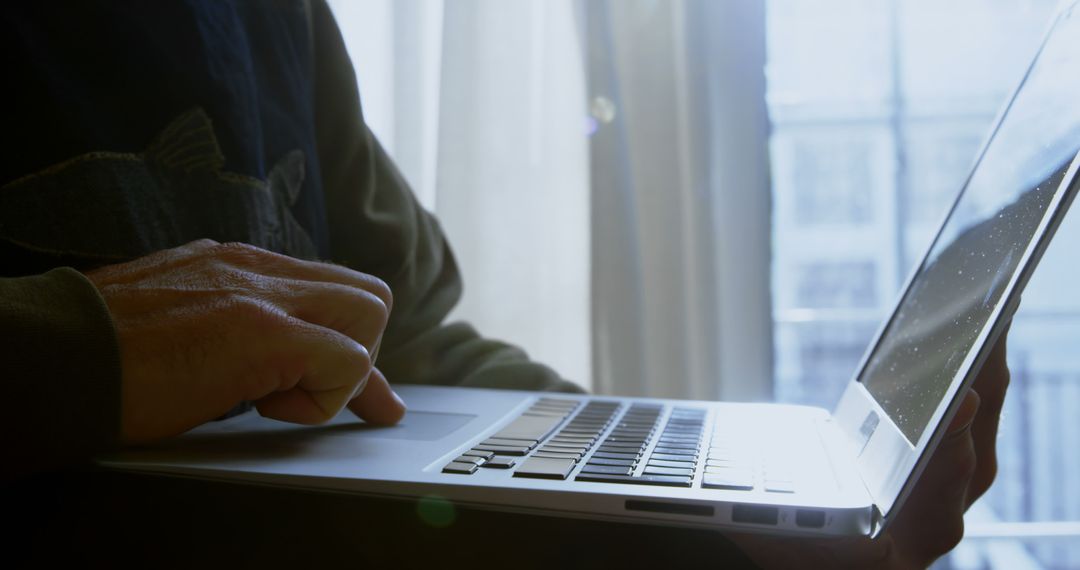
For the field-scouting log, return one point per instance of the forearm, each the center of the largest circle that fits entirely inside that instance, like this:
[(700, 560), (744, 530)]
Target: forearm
[(61, 371)]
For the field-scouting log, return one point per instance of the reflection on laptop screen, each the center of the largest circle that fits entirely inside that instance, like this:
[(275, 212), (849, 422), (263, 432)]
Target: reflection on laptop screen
[(971, 262)]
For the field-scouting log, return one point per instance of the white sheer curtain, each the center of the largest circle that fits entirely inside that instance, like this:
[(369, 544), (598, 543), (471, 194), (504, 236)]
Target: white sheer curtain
[(480, 104), (600, 168), (680, 198)]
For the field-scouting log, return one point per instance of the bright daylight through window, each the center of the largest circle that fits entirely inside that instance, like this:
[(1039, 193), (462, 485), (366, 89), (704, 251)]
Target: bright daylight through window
[(878, 109), (498, 113)]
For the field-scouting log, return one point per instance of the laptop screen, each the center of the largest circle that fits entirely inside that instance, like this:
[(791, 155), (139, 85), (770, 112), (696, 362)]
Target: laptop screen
[(971, 262)]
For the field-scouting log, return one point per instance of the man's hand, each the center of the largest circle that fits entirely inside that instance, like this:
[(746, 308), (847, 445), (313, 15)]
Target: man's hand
[(205, 326), (930, 523)]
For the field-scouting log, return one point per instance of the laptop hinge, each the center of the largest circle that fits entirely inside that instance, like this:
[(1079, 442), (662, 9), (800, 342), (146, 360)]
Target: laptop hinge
[(877, 521)]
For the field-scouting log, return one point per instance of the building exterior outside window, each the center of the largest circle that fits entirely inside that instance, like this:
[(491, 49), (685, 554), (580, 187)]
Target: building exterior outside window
[(877, 110)]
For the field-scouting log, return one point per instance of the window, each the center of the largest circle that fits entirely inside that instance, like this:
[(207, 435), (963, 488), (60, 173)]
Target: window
[(835, 285), (878, 108), (834, 170)]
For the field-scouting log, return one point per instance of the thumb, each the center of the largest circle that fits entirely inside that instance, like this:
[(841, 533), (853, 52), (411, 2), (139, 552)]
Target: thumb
[(964, 417)]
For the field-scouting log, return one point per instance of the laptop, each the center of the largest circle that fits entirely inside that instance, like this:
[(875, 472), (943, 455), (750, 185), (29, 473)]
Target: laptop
[(751, 467)]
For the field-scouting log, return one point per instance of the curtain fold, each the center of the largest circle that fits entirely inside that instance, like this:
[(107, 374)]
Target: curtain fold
[(680, 199), (513, 173), (600, 167)]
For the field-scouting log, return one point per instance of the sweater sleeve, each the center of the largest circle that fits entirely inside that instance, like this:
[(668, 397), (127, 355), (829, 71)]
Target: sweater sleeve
[(377, 226), (61, 371)]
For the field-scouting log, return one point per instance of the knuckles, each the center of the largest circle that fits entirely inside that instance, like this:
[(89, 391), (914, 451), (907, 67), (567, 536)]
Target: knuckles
[(380, 289), (359, 359), (381, 309), (949, 535), (241, 308), (200, 244), (238, 253)]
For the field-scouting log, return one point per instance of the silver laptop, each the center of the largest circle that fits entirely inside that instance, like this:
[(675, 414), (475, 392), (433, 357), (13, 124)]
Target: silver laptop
[(767, 468)]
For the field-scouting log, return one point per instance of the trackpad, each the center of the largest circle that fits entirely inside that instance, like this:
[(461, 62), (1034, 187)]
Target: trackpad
[(418, 426)]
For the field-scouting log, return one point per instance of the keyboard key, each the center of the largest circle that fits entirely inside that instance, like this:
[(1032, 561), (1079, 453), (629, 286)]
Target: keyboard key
[(640, 416), (620, 449), (480, 453), (677, 445), (557, 455), (500, 462), (545, 468), (667, 447), (469, 459), (605, 461), (720, 462), (529, 428), (721, 469), (460, 468), (673, 455), (666, 463), (571, 439), (650, 470), (680, 439), (609, 455), (565, 448), (503, 449), (682, 432), (552, 406), (546, 410), (569, 442), (626, 440), (731, 479), (622, 444), (509, 442), (592, 433), (779, 486), (632, 432), (665, 480), (589, 427), (607, 469), (545, 414), (557, 402)]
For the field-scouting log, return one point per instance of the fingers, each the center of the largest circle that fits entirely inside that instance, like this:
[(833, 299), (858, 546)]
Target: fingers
[(965, 415), (931, 522), (929, 525), (276, 265), (377, 403), (991, 384), (353, 303), (329, 297), (206, 325), (308, 374), (356, 313)]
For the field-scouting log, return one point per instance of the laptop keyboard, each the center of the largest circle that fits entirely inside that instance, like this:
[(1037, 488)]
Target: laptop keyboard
[(647, 444)]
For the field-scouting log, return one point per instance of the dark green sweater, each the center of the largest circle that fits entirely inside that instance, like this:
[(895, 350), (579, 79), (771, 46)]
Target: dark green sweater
[(144, 126)]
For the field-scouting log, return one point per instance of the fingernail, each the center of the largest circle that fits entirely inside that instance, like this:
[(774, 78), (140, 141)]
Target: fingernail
[(399, 400)]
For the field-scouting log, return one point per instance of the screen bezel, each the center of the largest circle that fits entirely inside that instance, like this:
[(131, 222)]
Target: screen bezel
[(888, 462)]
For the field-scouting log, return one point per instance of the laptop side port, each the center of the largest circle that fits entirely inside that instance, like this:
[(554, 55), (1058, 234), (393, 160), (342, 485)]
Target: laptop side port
[(669, 508), (755, 514), (809, 518)]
